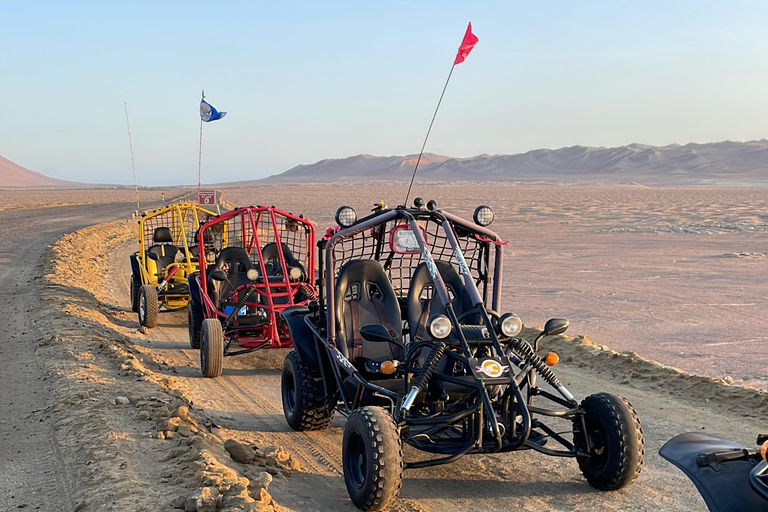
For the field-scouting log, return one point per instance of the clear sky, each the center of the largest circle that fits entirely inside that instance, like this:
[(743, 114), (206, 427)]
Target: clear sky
[(307, 80)]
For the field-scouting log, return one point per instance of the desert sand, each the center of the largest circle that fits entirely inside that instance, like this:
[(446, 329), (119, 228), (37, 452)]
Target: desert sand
[(666, 274)]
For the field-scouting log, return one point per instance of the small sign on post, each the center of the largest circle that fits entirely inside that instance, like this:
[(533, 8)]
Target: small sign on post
[(206, 197)]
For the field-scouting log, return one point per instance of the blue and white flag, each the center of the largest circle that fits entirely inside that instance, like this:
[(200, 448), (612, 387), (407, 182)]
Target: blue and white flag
[(208, 112)]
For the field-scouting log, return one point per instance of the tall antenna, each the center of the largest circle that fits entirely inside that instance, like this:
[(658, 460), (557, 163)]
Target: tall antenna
[(133, 161), (467, 44)]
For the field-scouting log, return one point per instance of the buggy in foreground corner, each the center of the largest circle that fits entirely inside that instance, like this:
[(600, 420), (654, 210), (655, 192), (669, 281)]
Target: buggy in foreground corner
[(258, 261), (457, 380), (167, 255)]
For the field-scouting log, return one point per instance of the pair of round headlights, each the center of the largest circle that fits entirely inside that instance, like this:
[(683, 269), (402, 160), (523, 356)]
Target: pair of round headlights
[(346, 215), (509, 325)]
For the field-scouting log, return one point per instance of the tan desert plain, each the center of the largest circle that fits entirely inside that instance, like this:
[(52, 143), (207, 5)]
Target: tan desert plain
[(100, 416)]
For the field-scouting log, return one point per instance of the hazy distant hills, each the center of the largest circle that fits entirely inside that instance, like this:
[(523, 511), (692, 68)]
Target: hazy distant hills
[(15, 176), (720, 163)]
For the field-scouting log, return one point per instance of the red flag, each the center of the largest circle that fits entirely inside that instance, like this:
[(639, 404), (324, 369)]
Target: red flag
[(467, 44)]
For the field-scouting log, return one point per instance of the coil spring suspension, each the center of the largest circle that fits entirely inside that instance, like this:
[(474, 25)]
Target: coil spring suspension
[(525, 350), (420, 382), (308, 291), (239, 305)]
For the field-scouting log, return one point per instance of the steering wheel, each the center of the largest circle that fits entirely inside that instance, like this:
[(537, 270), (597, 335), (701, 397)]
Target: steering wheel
[(476, 311)]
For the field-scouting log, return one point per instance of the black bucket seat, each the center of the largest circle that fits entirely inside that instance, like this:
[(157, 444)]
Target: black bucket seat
[(163, 249)]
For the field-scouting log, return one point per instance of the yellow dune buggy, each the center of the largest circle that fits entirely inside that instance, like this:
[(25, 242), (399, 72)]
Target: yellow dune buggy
[(167, 255)]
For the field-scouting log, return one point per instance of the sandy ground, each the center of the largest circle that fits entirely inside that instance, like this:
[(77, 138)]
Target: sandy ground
[(106, 391)]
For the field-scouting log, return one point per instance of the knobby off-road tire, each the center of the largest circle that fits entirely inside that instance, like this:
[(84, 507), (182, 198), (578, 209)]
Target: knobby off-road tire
[(194, 324), (135, 287), (211, 348), (373, 458), (305, 405), (617, 442), (148, 306)]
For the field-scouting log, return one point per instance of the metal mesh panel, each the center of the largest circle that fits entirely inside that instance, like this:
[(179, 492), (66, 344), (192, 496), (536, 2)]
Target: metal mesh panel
[(375, 244), (181, 222), (238, 232)]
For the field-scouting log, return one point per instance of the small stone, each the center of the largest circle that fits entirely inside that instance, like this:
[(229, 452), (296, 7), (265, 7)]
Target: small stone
[(122, 400), (179, 502), (239, 452), (142, 330), (164, 412), (144, 415), (169, 434), (182, 412), (160, 435), (80, 506), (190, 505), (262, 481), (164, 480), (728, 379)]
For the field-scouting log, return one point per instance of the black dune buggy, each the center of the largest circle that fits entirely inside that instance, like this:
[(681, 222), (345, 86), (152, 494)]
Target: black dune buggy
[(258, 261), (403, 343)]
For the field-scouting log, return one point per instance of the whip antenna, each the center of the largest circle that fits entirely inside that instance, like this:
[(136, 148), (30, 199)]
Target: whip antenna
[(466, 46), (133, 162)]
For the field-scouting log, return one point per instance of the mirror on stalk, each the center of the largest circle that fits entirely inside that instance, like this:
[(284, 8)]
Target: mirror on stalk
[(375, 332), (555, 326), (218, 275)]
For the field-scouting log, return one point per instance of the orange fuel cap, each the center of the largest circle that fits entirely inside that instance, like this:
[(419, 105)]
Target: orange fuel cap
[(552, 359), (388, 367)]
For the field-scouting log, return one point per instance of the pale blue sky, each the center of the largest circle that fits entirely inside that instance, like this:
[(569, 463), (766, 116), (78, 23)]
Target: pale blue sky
[(304, 81)]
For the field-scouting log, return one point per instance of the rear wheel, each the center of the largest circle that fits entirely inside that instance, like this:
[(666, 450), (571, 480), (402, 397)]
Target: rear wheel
[(148, 306), (373, 458), (305, 405), (194, 324), (616, 442), (135, 286), (211, 348)]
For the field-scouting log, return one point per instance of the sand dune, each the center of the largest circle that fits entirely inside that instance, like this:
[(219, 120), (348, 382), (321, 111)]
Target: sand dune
[(732, 163), (13, 175)]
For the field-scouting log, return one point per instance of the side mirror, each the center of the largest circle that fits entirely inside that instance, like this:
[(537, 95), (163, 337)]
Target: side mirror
[(555, 326), (375, 332), (218, 275)]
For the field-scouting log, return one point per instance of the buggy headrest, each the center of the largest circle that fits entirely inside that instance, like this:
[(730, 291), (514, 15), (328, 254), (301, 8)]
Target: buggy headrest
[(162, 235), (270, 253), (421, 278), (236, 257)]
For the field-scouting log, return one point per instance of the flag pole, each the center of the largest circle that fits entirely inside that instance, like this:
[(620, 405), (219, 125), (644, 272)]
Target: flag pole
[(200, 162), (133, 161), (416, 168)]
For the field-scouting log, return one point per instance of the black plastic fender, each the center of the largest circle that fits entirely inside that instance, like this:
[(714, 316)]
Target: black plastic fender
[(302, 336), (135, 265), (194, 290), (724, 486)]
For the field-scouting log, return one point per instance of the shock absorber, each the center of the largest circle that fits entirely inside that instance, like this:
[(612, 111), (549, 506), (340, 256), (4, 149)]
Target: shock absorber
[(239, 305), (421, 380), (308, 291), (527, 353)]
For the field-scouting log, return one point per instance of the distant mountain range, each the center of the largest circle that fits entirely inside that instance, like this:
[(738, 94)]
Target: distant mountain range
[(15, 176), (720, 163)]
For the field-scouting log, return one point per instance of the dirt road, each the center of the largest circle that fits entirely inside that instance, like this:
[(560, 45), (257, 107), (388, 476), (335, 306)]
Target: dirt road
[(31, 475), (245, 402)]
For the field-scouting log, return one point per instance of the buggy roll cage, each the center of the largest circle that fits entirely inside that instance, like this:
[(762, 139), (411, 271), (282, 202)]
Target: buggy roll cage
[(481, 410), (252, 220), (184, 216)]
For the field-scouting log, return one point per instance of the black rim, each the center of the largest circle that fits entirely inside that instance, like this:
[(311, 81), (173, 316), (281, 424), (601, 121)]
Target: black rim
[(356, 460), (290, 392), (599, 453)]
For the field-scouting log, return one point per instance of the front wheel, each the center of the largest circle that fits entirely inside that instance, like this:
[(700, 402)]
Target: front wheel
[(616, 443), (211, 348), (305, 405), (372, 454), (135, 287), (148, 306)]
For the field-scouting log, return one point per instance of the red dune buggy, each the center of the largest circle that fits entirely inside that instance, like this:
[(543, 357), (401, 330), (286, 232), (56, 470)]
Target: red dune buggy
[(255, 262)]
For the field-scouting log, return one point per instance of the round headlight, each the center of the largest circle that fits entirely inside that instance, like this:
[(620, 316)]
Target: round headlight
[(346, 216), (510, 325), (179, 257), (295, 273), (440, 327), (252, 274), (483, 215)]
